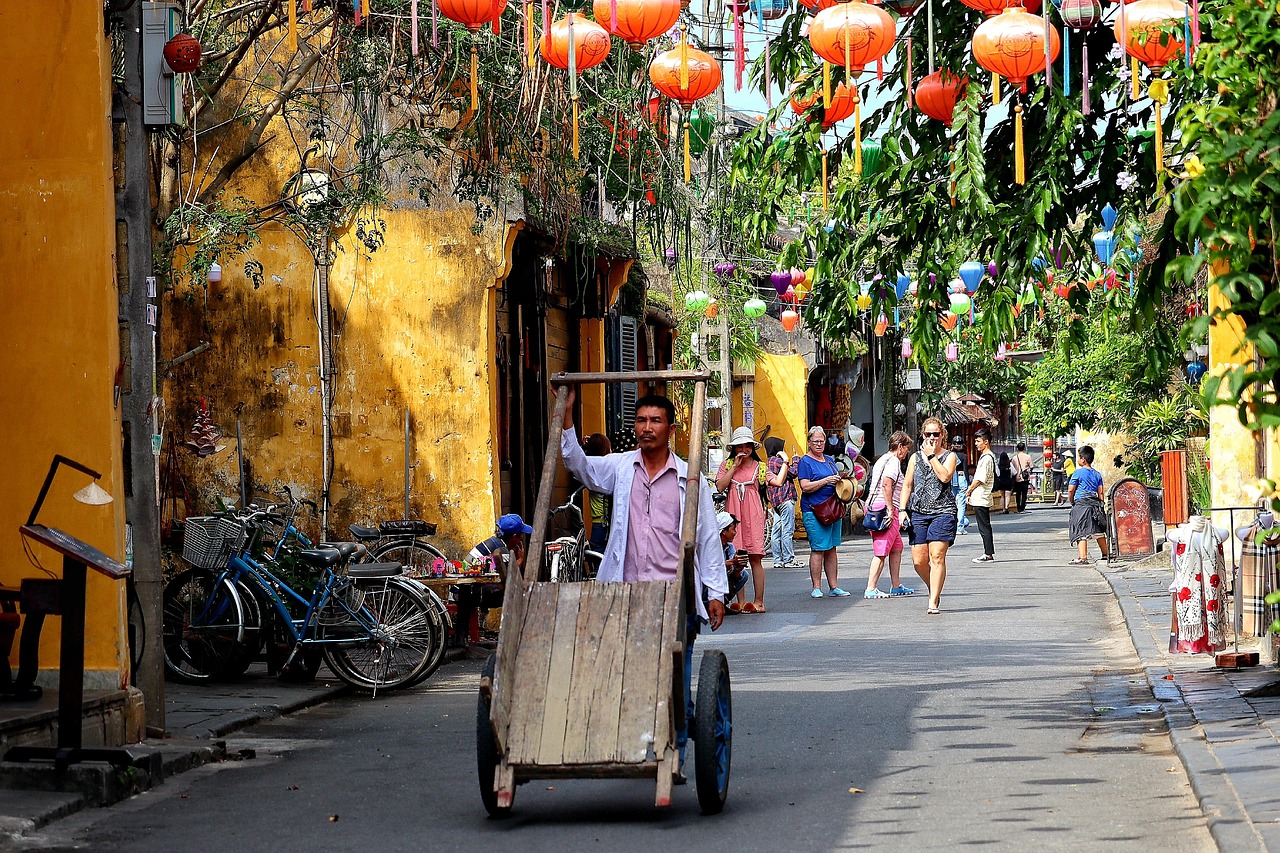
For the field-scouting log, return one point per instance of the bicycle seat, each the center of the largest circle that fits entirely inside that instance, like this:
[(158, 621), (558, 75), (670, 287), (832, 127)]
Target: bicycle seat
[(406, 528), (375, 570), (346, 549), (321, 558), (364, 533)]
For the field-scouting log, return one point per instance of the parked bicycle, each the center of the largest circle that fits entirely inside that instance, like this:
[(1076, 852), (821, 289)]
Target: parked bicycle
[(374, 628), (402, 542), (567, 557)]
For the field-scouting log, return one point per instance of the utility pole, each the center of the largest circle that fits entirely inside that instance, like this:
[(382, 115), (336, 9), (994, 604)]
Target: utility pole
[(142, 410)]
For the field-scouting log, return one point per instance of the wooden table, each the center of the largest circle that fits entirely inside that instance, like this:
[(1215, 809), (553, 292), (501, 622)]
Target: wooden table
[(440, 586)]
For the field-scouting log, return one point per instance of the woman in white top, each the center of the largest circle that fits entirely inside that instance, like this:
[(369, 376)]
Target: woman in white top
[(886, 489)]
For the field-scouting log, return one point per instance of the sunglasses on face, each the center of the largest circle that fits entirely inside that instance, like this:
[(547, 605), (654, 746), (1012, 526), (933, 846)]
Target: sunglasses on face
[(933, 435)]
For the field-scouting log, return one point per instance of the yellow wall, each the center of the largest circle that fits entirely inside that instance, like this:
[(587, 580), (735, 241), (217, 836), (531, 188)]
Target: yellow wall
[(414, 327), (780, 399), (57, 285)]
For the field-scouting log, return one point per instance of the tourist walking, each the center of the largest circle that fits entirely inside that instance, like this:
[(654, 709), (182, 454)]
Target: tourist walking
[(1058, 469), (818, 475), (1004, 481), (978, 494), (1088, 511), (741, 475), (931, 508), (1022, 465), (781, 491), (959, 483), (884, 494)]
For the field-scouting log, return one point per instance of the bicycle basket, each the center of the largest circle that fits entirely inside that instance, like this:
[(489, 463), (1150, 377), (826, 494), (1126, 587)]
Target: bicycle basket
[(208, 540)]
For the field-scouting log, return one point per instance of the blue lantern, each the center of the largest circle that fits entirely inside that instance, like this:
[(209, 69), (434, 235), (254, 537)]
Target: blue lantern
[(1196, 371), (1104, 243), (971, 273), (1109, 217), (903, 284)]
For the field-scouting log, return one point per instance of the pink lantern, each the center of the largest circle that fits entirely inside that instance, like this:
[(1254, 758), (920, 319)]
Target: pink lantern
[(1000, 354), (790, 295), (906, 347), (953, 351), (797, 277)]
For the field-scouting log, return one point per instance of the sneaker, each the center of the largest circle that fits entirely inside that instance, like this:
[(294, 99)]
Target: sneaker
[(874, 593), (792, 564), (963, 531), (985, 558), (817, 593), (837, 592), (902, 590)]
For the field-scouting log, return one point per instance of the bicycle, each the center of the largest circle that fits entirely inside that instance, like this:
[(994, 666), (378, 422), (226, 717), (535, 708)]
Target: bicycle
[(567, 557), (400, 542), (374, 629)]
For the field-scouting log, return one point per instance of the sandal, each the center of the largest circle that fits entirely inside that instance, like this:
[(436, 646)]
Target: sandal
[(1078, 562), (752, 607), (735, 607), (933, 611), (874, 593)]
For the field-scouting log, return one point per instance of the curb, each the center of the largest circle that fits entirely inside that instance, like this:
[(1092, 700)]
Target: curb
[(264, 713), (1225, 815)]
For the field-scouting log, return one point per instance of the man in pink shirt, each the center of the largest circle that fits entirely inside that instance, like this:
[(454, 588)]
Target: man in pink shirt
[(648, 487)]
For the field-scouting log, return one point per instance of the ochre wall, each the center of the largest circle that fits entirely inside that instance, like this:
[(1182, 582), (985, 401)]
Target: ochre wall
[(780, 399), (413, 329), (58, 289)]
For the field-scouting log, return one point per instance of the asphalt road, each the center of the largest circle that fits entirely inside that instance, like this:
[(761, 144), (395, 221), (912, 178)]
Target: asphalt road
[(1015, 720)]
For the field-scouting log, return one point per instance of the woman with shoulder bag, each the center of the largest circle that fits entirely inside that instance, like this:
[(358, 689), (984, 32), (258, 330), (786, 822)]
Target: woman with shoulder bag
[(926, 496), (741, 475), (822, 512), (882, 507)]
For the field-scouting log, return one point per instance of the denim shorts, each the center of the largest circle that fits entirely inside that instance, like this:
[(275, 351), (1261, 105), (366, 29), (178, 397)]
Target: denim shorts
[(933, 528)]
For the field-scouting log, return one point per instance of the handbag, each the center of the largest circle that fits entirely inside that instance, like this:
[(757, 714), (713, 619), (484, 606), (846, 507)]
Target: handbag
[(876, 520), (831, 510)]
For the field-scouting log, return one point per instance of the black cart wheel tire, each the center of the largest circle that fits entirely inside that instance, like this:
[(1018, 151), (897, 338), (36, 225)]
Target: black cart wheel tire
[(713, 732), (487, 748)]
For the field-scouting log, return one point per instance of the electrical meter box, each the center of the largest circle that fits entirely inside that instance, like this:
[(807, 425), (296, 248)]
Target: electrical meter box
[(161, 89)]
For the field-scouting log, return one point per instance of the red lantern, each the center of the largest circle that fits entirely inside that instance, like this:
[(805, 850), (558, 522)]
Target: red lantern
[(590, 43), (853, 34), (638, 20), (1143, 32), (182, 52), (843, 101), (939, 92), (472, 14)]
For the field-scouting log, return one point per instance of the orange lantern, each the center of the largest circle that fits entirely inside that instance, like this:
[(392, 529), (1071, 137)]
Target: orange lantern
[(638, 21), (575, 43), (949, 320), (1143, 28), (789, 320), (800, 104), (855, 34), (1012, 45), (995, 7), (473, 14), (843, 100), (938, 93), (685, 74)]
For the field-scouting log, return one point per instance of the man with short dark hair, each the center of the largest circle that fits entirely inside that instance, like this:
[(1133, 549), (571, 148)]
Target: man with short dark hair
[(648, 487), (978, 494), (1088, 512)]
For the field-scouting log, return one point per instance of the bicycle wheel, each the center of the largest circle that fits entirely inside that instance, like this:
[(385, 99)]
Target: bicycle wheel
[(416, 555), (390, 655), (438, 614), (203, 626), (251, 643)]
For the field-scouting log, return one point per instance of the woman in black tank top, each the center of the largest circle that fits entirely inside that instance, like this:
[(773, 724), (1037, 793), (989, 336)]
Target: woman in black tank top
[(927, 498)]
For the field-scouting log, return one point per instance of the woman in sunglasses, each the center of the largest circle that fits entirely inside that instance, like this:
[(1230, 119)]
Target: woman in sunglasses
[(927, 498)]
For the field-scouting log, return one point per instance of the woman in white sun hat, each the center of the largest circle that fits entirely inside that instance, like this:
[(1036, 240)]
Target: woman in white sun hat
[(741, 475)]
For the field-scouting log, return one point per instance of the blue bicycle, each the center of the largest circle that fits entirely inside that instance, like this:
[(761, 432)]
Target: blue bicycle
[(375, 629)]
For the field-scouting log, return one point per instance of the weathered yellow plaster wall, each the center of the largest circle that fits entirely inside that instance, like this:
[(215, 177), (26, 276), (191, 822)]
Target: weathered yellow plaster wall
[(780, 400), (413, 329), (60, 304)]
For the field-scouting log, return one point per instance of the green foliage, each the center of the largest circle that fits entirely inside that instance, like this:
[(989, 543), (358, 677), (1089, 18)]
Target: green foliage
[(974, 372), (1163, 424), (209, 232), (1102, 387), (1230, 209), (1199, 484)]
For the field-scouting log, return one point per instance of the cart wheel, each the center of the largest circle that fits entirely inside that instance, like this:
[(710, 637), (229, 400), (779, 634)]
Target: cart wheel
[(487, 748), (713, 732)]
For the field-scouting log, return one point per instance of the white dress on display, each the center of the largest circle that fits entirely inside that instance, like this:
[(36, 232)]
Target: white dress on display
[(1199, 587)]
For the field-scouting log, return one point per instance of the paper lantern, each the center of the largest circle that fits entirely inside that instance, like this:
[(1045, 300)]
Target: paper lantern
[(953, 351), (1196, 371), (473, 14), (1012, 45), (697, 300), (797, 276), (871, 151), (906, 347), (903, 8), (789, 320), (995, 7), (590, 43), (182, 53), (770, 10), (702, 125), (712, 309), (638, 21), (901, 286), (754, 308), (789, 295), (853, 34), (882, 324), (1143, 31), (843, 100), (781, 280), (1079, 15), (1000, 353), (960, 303), (938, 93), (686, 75), (1104, 244), (949, 321), (800, 104)]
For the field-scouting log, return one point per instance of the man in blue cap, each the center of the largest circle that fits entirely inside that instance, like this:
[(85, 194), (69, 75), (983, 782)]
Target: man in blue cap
[(506, 546)]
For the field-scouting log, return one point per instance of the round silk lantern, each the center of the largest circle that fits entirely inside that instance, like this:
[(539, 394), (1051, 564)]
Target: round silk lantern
[(1141, 28), (800, 104), (754, 308), (789, 320), (960, 303), (575, 43), (938, 93), (971, 273), (906, 347), (843, 100), (182, 53), (953, 351), (473, 14), (1079, 15), (685, 74), (637, 21)]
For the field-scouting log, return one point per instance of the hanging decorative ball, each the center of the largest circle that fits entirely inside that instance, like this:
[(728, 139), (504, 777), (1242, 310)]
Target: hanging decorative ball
[(853, 34), (472, 14), (957, 286), (1196, 371), (1012, 44), (183, 52), (960, 303), (638, 20), (971, 273), (770, 10), (781, 280), (590, 43), (938, 93), (712, 309), (906, 347), (789, 320), (953, 351), (697, 300), (1146, 31), (1081, 14), (665, 73), (726, 269), (754, 308), (797, 276), (844, 98), (993, 269)]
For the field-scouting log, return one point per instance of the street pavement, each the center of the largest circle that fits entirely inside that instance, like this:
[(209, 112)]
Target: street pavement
[(1019, 718)]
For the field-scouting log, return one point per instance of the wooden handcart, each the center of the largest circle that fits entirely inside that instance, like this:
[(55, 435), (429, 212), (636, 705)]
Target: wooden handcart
[(588, 678)]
